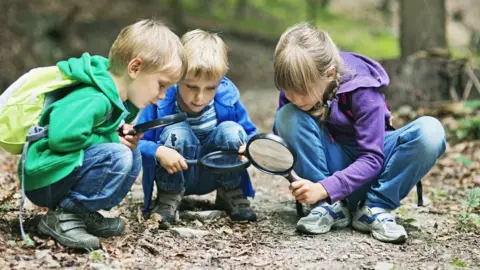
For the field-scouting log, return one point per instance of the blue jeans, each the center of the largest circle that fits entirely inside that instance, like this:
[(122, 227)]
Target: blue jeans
[(410, 152), (198, 180), (104, 179)]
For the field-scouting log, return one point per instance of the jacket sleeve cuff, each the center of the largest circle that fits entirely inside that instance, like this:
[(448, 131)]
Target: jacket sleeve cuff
[(148, 150), (333, 186)]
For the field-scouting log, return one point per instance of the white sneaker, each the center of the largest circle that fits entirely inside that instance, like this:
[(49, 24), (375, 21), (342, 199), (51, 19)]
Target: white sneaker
[(380, 223), (325, 216)]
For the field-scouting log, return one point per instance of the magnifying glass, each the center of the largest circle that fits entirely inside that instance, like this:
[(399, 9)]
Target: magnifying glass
[(221, 161), (272, 155), (158, 123), (267, 152)]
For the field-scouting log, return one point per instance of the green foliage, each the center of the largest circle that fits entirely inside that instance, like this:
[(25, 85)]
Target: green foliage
[(463, 160), (469, 220), (4, 209), (467, 126), (97, 256), (467, 129), (28, 242), (440, 192), (458, 263)]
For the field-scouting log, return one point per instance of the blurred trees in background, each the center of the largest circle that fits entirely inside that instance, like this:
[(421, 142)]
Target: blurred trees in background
[(422, 26), (42, 32)]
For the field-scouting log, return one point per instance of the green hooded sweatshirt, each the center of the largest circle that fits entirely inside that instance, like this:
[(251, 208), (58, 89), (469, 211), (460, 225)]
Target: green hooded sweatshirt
[(76, 122)]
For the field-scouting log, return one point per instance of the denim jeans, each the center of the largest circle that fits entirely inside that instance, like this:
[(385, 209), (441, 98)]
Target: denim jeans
[(104, 179), (198, 180), (410, 152)]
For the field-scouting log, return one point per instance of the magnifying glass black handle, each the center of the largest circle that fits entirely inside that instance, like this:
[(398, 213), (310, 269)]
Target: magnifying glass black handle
[(191, 161), (290, 178), (131, 132)]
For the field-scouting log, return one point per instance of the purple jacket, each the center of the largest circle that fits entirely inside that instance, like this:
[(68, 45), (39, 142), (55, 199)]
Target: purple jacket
[(364, 79)]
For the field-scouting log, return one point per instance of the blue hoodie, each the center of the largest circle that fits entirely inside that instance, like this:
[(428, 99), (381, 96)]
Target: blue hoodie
[(364, 80), (228, 108)]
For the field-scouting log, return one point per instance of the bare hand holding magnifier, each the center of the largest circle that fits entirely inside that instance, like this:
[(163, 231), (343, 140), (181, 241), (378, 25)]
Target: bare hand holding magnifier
[(306, 191)]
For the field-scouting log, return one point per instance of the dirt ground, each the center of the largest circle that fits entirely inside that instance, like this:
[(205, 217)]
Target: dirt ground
[(437, 239)]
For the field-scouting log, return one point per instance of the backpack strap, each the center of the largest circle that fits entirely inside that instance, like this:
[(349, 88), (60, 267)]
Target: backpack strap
[(35, 133), (345, 105)]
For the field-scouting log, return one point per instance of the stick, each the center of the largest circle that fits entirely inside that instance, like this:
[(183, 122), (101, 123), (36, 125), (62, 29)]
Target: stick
[(466, 91), (474, 78), (453, 94)]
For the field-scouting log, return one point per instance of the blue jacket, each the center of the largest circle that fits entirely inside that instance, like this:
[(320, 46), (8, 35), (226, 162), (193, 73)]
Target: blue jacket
[(228, 108)]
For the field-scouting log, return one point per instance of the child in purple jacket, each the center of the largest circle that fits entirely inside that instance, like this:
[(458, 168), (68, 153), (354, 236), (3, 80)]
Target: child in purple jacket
[(354, 159)]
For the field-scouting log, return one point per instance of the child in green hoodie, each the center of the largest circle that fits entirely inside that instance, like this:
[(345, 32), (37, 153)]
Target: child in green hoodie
[(85, 164)]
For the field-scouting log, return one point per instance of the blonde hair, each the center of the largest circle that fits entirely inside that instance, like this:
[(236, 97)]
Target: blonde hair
[(206, 54), (303, 57), (153, 42)]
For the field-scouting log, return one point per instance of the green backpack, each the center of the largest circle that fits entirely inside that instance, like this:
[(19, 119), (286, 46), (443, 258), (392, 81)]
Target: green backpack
[(23, 102)]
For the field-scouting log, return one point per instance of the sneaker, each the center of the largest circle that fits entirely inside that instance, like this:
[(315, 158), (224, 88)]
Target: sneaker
[(235, 204), (380, 223), (101, 226), (67, 229), (324, 217), (167, 204)]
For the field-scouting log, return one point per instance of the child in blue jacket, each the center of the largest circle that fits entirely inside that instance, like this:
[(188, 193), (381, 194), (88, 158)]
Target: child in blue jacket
[(216, 120)]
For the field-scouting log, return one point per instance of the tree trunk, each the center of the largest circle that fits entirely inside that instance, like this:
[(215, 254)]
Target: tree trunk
[(207, 5), (385, 6), (241, 9), (422, 26), (312, 10), (324, 4), (178, 15)]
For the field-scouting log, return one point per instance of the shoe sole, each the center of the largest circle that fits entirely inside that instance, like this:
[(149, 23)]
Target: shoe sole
[(314, 229), (380, 237), (46, 230)]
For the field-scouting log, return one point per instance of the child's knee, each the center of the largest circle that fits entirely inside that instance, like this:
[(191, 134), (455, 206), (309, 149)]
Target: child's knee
[(431, 135), (136, 162), (289, 119), (178, 136), (230, 133), (121, 158)]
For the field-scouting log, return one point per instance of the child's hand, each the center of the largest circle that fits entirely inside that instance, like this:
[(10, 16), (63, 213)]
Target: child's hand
[(241, 150), (170, 159), (130, 141), (307, 192)]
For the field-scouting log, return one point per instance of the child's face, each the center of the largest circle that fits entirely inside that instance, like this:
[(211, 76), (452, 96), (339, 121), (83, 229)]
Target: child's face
[(305, 101), (196, 93), (148, 88)]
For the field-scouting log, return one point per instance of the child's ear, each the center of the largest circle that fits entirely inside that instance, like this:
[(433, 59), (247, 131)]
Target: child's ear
[(133, 67)]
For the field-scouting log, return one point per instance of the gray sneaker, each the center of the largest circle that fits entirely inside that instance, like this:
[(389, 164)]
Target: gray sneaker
[(324, 217), (167, 204), (68, 229), (235, 204), (380, 223), (101, 226)]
